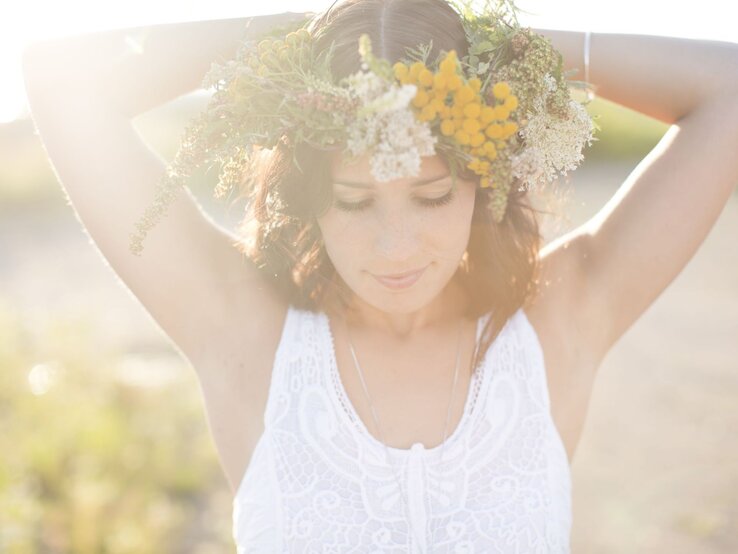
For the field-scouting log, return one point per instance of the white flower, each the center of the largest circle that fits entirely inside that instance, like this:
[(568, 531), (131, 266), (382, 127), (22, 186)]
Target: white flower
[(396, 98), (402, 141), (528, 165), (550, 83), (553, 143), (386, 125)]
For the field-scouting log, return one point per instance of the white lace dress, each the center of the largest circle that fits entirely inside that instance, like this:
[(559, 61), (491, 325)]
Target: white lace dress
[(317, 481)]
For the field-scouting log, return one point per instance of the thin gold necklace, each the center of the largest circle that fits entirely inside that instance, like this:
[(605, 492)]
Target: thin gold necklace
[(379, 427)]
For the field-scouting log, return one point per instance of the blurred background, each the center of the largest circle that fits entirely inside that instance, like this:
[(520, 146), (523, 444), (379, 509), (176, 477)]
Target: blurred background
[(104, 440)]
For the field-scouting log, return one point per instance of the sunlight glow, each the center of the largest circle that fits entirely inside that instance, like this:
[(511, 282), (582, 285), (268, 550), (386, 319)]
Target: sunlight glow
[(39, 19), (42, 377)]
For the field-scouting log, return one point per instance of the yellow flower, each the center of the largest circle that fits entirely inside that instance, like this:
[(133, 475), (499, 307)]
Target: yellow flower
[(439, 94), (421, 98), (501, 90), (509, 128), (448, 128), (494, 130), (489, 149), (465, 94), (484, 182), (415, 69), (438, 104), (454, 82), (475, 84), (448, 65), (473, 164), (471, 126), (425, 77), (511, 102), (488, 114), (501, 112), (472, 110), (401, 70), (462, 137), (440, 81), (476, 139)]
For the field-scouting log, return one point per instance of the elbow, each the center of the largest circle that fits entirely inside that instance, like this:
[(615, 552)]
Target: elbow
[(31, 54), (34, 61)]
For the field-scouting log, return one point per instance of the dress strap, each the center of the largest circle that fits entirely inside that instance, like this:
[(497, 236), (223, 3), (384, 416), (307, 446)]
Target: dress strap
[(287, 351), (533, 348)]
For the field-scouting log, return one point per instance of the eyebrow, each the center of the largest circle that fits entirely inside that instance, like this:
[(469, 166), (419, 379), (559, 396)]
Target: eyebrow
[(368, 186)]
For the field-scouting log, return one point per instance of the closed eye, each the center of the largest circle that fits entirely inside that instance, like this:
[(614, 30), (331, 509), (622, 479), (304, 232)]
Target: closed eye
[(426, 202)]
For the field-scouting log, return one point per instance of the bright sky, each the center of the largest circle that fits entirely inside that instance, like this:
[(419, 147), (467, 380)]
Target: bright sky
[(37, 19)]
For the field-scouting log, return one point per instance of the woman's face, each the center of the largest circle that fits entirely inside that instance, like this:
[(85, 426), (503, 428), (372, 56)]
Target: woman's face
[(385, 228)]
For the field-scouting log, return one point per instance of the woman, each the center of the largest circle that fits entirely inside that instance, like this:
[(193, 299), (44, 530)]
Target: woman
[(430, 413)]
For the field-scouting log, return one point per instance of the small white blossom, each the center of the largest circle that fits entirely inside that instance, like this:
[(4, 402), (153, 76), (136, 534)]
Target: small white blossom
[(528, 165), (553, 144), (386, 126), (550, 83)]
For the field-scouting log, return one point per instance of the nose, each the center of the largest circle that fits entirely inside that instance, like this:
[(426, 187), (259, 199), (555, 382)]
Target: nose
[(396, 236)]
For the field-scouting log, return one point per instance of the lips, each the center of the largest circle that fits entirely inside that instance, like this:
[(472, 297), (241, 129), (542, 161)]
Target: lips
[(400, 280), (401, 275)]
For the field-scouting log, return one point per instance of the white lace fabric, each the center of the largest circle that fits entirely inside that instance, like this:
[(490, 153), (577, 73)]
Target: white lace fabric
[(318, 482)]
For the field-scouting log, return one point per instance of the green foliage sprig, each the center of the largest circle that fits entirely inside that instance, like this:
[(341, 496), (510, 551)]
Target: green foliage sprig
[(503, 110)]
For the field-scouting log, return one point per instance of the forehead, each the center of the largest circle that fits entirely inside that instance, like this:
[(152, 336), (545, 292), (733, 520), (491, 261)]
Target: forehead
[(359, 170)]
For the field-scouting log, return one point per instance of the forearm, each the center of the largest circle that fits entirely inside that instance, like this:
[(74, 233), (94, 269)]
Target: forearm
[(136, 69), (662, 77)]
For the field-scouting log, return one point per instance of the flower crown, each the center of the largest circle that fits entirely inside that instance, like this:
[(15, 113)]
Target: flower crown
[(502, 111)]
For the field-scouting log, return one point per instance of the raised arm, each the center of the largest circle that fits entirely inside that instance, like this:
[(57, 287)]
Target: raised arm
[(620, 261), (83, 92)]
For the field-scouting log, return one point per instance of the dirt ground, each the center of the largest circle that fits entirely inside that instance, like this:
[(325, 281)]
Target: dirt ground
[(654, 471)]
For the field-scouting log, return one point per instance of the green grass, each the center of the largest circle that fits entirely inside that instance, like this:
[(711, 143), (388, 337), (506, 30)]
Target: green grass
[(94, 462), (624, 134)]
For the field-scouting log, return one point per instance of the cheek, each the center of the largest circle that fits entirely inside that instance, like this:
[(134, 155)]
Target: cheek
[(452, 225), (340, 238)]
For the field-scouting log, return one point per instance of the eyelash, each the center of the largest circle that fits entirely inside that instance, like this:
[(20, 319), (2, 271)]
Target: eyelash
[(427, 202)]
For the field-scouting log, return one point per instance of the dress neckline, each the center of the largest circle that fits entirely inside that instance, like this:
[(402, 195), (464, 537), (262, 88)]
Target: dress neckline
[(339, 394)]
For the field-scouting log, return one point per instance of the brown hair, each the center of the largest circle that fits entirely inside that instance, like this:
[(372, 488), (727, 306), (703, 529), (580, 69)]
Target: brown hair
[(500, 268)]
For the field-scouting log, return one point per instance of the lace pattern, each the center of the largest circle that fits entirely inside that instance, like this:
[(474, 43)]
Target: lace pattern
[(318, 481), (341, 397)]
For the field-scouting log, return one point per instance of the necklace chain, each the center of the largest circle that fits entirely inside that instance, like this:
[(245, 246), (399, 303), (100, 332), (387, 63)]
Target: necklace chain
[(379, 427)]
